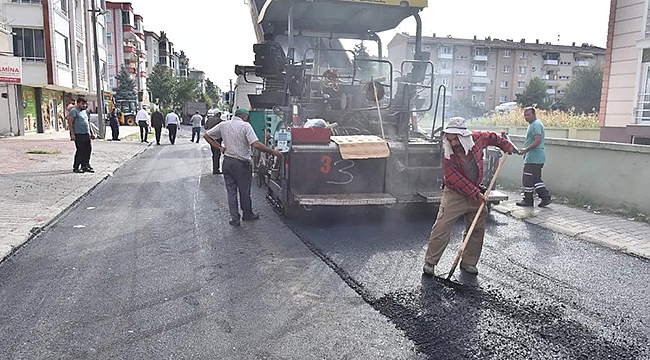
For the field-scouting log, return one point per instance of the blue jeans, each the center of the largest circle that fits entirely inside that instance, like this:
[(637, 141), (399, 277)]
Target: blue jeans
[(196, 130)]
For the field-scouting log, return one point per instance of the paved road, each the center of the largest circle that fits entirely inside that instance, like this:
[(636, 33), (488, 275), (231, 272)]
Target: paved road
[(146, 266)]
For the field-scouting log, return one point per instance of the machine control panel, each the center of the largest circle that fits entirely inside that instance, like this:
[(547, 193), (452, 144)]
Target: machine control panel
[(282, 140)]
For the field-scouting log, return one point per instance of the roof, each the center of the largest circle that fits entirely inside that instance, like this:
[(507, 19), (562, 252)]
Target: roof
[(506, 44), (340, 16)]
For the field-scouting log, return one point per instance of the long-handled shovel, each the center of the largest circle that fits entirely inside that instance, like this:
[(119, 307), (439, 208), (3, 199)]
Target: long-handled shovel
[(478, 214)]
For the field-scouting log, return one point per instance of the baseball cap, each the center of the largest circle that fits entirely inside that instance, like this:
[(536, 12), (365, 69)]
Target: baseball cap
[(242, 111)]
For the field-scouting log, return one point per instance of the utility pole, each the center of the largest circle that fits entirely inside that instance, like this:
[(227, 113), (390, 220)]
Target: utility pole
[(231, 97), (98, 78), (137, 76)]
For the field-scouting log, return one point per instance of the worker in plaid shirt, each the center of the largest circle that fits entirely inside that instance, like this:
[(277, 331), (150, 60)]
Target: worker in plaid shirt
[(462, 194)]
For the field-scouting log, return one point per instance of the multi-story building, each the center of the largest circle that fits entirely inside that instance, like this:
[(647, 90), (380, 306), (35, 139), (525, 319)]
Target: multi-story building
[(54, 41), (199, 76), (625, 102), (166, 51), (151, 46), (493, 71), (10, 80), (125, 31)]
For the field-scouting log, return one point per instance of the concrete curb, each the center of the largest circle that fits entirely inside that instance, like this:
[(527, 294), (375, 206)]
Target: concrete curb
[(7, 248), (614, 238)]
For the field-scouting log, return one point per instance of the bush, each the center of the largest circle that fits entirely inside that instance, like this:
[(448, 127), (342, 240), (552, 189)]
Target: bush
[(550, 118)]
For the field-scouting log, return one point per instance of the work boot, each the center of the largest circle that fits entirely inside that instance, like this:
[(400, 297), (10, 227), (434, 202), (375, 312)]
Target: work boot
[(234, 222), (470, 269), (77, 170), (545, 202), (524, 203), (429, 269), (253, 216)]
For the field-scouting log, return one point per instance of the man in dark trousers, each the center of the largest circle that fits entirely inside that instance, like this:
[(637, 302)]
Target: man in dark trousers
[(216, 154), (157, 122), (534, 159), (115, 125), (238, 136), (81, 133)]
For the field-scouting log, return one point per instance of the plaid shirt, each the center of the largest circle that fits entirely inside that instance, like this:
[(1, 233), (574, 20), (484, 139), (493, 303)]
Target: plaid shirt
[(455, 177)]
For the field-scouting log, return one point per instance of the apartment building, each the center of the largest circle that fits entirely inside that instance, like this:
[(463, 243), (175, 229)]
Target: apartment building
[(10, 80), (493, 71), (126, 37), (53, 39), (151, 40), (625, 102), (199, 77), (166, 52)]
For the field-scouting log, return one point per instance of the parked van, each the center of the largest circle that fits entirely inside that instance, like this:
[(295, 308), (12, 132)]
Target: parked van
[(507, 106)]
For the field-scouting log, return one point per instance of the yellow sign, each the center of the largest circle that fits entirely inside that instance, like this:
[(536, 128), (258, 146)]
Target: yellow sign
[(411, 3)]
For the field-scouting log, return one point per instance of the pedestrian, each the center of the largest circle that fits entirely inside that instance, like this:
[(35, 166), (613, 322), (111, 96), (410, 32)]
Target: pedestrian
[(115, 125), (534, 158), (197, 122), (142, 117), (172, 123), (238, 136), (157, 122), (463, 192), (216, 154), (82, 134)]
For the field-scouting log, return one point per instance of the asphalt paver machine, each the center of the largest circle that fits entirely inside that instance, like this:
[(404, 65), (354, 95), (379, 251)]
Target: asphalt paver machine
[(345, 121)]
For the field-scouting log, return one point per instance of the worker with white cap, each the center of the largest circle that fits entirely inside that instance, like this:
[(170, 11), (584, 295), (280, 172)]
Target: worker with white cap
[(462, 194)]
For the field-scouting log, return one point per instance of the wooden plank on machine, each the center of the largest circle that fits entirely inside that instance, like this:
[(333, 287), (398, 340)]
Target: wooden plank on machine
[(361, 147)]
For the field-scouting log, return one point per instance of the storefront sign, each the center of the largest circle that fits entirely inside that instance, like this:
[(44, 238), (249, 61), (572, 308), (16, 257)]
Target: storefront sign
[(11, 70)]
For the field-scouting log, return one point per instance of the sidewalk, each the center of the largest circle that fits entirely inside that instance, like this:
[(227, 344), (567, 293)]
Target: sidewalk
[(612, 231), (36, 188)]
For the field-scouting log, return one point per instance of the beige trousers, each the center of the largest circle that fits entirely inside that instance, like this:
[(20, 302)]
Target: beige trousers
[(452, 207)]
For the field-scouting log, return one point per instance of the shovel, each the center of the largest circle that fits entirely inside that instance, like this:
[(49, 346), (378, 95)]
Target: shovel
[(461, 251)]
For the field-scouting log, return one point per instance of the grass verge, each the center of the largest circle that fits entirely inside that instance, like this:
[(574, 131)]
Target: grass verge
[(44, 152)]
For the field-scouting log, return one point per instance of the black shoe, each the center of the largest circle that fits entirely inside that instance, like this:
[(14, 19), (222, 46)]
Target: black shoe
[(218, 172), (78, 171), (88, 170), (252, 217), (545, 202), (234, 222), (525, 203), (90, 167)]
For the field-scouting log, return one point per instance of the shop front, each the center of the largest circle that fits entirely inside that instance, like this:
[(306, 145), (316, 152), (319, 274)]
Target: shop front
[(53, 108), (30, 116)]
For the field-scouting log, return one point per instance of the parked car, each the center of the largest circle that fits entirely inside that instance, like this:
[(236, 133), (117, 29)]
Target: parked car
[(211, 112), (507, 106)]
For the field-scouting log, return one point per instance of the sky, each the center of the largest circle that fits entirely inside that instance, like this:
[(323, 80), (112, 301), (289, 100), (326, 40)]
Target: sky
[(216, 35)]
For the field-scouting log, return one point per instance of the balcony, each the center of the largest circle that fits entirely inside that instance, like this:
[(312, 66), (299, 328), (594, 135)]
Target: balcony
[(551, 62), (581, 63), (480, 73), (480, 58), (550, 91), (130, 49), (549, 77), (480, 80), (445, 56), (444, 71), (479, 88)]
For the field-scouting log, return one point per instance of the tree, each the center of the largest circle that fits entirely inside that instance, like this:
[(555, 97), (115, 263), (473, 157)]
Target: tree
[(186, 90), (365, 68), (125, 86), (534, 94), (213, 93), (162, 83), (467, 108), (583, 92)]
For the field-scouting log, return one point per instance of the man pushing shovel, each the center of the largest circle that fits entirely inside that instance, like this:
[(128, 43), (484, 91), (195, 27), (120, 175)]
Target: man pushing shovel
[(462, 194)]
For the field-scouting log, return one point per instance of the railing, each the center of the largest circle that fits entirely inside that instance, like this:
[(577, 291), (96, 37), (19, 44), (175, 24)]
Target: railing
[(550, 91), (81, 75), (551, 62), (480, 58), (479, 73), (79, 29), (582, 63), (479, 88), (444, 71), (445, 56), (643, 108)]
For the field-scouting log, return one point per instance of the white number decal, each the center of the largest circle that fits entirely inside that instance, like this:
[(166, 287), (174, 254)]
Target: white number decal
[(342, 171)]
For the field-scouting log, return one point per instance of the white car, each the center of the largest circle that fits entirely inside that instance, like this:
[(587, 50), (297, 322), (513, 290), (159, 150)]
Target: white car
[(507, 106), (211, 112)]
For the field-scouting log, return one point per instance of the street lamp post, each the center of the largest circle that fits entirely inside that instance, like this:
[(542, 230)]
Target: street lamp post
[(98, 79)]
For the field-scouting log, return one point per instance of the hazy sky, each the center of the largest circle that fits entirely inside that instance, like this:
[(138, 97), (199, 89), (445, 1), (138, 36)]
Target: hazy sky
[(217, 34)]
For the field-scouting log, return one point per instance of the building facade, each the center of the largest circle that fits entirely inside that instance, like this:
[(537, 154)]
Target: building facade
[(199, 77), (54, 40), (493, 71), (125, 31), (625, 102)]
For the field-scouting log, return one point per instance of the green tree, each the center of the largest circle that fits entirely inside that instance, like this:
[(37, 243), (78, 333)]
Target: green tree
[(364, 68), (186, 90), (534, 94), (467, 108), (162, 83), (583, 92), (125, 86), (213, 93)]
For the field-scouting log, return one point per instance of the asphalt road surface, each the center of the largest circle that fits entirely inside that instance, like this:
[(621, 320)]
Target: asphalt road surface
[(146, 266)]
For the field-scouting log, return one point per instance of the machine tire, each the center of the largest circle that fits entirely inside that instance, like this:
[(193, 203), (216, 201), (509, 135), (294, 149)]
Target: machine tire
[(130, 121)]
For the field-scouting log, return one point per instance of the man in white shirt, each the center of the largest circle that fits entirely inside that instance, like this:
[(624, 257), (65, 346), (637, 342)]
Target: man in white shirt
[(142, 117), (196, 121), (172, 123)]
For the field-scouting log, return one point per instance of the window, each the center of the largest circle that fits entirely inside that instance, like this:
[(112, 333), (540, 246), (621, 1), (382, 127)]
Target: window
[(29, 43), (524, 55), (444, 65), (111, 82), (506, 53), (109, 38), (110, 59), (444, 81), (446, 50), (62, 49), (460, 87), (26, 1), (102, 33), (462, 57), (521, 84), (461, 72), (523, 70), (108, 17), (126, 18), (565, 63), (504, 84), (564, 77), (62, 5), (506, 69), (503, 99), (162, 60)]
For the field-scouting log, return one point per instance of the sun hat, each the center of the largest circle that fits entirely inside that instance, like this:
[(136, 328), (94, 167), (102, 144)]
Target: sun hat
[(457, 125)]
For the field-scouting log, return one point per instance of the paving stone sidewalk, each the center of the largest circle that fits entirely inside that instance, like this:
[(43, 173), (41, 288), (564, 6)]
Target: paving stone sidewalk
[(36, 188), (612, 231)]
